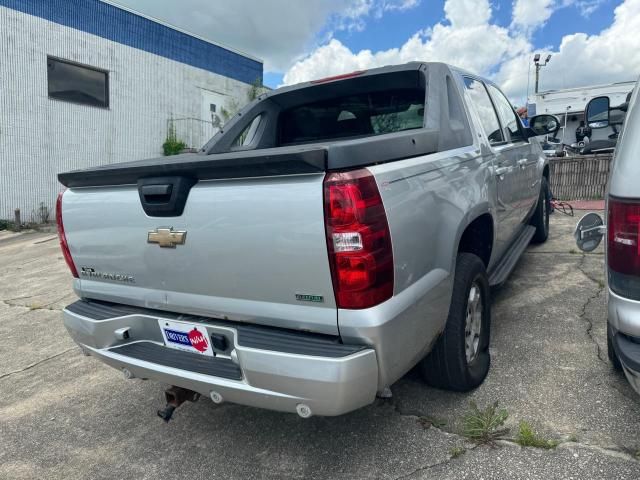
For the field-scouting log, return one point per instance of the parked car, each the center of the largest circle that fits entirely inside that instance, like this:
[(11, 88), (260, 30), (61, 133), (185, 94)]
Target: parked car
[(330, 237), (623, 235)]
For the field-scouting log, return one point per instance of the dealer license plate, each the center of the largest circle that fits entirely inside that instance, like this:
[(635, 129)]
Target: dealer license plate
[(187, 337)]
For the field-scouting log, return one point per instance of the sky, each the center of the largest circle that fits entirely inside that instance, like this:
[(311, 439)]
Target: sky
[(591, 41)]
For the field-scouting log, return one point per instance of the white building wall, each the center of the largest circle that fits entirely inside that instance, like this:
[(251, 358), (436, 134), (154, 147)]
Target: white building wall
[(41, 137)]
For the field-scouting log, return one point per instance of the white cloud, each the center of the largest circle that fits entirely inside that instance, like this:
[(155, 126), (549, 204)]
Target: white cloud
[(278, 31), (469, 40), (585, 7), (531, 14), (467, 13), (611, 56)]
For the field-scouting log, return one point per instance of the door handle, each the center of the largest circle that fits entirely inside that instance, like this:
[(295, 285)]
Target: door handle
[(500, 171), (523, 163)]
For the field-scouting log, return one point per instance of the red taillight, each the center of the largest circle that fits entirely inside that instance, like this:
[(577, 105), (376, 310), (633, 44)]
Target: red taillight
[(358, 240), (63, 238), (623, 248)]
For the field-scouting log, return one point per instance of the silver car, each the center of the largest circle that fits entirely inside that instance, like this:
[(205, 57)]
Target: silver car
[(623, 235)]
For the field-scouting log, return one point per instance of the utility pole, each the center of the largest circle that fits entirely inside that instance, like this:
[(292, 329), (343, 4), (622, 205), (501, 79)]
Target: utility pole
[(536, 60)]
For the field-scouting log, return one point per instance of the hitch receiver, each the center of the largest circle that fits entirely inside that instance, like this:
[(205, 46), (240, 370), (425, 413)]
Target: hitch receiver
[(175, 397)]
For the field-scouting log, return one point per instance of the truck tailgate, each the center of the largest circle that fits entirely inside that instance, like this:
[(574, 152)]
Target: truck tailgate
[(254, 250)]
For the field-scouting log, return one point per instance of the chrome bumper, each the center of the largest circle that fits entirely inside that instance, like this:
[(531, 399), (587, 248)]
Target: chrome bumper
[(269, 379), (628, 353), (624, 321)]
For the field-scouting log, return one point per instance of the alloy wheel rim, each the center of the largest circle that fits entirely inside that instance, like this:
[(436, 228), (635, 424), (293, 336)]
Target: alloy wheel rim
[(473, 323)]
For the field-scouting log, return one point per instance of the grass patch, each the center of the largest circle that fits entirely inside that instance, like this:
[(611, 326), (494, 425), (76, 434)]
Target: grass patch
[(573, 438), (573, 251), (528, 437), (455, 452), (428, 422), (7, 225), (484, 426)]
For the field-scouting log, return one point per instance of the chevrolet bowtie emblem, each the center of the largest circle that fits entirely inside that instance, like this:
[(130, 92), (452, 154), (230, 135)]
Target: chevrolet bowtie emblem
[(167, 237)]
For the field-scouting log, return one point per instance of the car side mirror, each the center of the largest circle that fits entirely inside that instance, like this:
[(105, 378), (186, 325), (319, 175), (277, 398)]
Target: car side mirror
[(597, 112), (544, 125), (589, 232)]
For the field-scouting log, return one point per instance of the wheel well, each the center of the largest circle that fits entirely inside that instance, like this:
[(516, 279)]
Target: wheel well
[(477, 238)]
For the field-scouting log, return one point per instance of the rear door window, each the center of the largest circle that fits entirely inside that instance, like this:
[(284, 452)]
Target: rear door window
[(358, 115), (483, 105)]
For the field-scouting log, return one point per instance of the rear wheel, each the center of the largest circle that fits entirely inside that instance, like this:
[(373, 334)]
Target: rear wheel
[(540, 219), (460, 359), (613, 357)]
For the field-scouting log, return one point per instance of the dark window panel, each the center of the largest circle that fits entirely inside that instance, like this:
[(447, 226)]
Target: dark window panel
[(358, 115), (77, 83)]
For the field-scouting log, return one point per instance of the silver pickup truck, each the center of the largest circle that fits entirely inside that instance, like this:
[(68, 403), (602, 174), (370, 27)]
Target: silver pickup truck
[(332, 236)]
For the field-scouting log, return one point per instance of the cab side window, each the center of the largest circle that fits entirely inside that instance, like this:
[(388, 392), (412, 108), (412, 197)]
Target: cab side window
[(508, 116), (483, 105)]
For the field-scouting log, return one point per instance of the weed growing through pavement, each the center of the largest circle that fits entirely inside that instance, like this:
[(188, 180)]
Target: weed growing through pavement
[(527, 437), (428, 422), (455, 452), (484, 426)]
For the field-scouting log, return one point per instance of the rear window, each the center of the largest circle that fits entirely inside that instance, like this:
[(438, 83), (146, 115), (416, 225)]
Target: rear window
[(359, 115)]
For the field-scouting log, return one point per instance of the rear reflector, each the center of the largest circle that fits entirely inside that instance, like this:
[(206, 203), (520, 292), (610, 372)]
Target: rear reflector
[(623, 249), (63, 238), (358, 240)]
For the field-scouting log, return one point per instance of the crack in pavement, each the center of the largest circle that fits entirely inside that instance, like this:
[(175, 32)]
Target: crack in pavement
[(609, 452), (5, 302), (418, 415), (618, 451), (583, 313), (39, 307), (35, 364), (426, 467)]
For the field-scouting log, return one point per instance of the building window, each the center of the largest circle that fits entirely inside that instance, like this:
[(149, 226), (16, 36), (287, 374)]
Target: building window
[(77, 83)]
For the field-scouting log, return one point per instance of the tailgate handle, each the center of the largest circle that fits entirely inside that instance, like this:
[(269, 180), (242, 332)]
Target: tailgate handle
[(164, 196), (156, 193)]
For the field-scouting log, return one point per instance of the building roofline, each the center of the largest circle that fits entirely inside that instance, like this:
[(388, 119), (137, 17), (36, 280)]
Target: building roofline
[(586, 87), (181, 30), (112, 22)]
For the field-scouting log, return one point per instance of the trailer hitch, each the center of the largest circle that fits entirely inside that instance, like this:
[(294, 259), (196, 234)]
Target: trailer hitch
[(175, 397)]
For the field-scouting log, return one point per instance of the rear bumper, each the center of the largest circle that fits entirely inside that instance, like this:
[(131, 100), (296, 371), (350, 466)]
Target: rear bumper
[(628, 353), (265, 368), (624, 325)]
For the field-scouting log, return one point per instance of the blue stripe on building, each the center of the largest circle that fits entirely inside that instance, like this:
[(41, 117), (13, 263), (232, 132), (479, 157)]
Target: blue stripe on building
[(113, 23)]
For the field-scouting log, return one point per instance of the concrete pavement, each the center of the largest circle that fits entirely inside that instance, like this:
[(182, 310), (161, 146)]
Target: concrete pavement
[(65, 416)]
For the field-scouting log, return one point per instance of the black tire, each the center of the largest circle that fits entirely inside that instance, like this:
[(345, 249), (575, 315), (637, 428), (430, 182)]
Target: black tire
[(613, 357), (447, 366), (540, 219)]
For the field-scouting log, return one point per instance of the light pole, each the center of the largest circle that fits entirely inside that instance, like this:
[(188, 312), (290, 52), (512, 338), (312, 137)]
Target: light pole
[(536, 60)]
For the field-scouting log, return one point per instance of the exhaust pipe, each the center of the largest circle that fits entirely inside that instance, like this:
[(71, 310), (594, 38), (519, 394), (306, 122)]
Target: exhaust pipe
[(175, 397)]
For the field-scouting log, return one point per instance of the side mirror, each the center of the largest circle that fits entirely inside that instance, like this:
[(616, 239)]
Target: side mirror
[(544, 125), (597, 112), (589, 232)]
